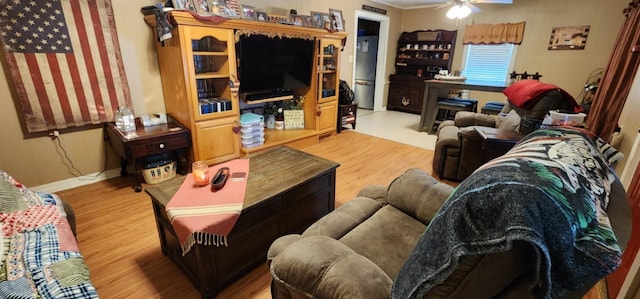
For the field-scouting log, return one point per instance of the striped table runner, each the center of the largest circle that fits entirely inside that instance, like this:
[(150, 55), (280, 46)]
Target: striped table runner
[(200, 216)]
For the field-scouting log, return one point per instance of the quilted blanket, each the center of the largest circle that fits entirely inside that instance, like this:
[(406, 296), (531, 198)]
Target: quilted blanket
[(551, 190), (39, 256)]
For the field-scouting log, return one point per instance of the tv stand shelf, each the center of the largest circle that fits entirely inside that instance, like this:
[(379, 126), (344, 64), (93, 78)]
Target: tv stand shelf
[(267, 100), (293, 138), (198, 63)]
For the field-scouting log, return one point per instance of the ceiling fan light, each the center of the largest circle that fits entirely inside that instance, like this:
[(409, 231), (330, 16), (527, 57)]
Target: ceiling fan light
[(453, 12), (464, 11), (458, 11)]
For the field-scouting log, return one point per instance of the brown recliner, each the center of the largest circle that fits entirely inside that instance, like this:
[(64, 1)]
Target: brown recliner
[(459, 148), (358, 250)]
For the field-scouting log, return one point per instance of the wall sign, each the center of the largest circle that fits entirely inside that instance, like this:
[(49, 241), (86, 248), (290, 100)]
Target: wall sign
[(374, 9), (569, 38)]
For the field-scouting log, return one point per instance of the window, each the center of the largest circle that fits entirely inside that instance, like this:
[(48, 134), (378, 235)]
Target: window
[(488, 63)]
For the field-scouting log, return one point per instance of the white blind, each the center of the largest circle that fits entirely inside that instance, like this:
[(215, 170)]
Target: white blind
[(490, 63)]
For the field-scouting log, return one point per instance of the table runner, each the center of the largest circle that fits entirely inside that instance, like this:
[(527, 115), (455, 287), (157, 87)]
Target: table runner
[(201, 216)]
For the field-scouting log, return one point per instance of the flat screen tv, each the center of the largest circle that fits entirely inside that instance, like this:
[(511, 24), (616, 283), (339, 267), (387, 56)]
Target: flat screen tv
[(273, 65)]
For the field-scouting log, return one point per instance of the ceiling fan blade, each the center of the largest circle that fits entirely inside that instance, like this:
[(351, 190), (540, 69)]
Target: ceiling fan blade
[(492, 1), (474, 9), (438, 5), (435, 5)]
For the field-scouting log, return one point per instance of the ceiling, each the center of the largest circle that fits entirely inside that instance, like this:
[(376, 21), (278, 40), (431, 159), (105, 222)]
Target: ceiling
[(413, 4)]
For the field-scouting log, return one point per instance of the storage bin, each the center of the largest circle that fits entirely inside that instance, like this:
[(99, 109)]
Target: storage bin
[(567, 119), (160, 171)]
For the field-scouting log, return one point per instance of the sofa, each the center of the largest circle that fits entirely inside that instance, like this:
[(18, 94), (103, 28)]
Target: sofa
[(459, 151), (514, 229), (39, 255)]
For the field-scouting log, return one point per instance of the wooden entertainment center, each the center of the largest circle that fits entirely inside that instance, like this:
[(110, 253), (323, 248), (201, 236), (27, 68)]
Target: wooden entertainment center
[(198, 66)]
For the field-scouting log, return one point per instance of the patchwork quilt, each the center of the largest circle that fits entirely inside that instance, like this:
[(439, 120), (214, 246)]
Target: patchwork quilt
[(552, 191), (39, 256)]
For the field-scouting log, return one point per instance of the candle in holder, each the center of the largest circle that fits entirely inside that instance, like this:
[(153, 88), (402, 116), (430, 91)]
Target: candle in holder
[(200, 171)]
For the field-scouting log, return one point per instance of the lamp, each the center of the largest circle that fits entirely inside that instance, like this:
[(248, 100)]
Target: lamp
[(459, 11)]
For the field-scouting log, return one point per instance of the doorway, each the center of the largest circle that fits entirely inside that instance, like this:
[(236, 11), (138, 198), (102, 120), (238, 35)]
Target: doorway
[(368, 22), (366, 63)]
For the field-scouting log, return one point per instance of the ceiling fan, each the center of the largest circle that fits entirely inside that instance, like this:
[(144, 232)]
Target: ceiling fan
[(463, 8)]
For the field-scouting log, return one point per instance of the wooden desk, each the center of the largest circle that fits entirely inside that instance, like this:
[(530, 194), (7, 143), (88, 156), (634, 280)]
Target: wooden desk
[(438, 88), (148, 141), (287, 190), (497, 142)]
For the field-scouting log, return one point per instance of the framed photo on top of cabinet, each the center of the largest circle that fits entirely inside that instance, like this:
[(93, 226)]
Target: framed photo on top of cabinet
[(183, 4), (202, 6), (229, 8), (326, 20), (248, 12), (262, 16), (337, 22), (316, 18), (306, 21)]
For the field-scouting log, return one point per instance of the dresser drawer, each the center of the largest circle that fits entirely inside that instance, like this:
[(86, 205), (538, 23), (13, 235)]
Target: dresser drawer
[(159, 147)]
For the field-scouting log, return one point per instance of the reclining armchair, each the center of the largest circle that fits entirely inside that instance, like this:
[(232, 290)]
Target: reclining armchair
[(459, 147), (480, 240)]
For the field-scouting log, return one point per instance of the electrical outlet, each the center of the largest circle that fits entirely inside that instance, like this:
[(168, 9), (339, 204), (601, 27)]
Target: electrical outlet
[(54, 134)]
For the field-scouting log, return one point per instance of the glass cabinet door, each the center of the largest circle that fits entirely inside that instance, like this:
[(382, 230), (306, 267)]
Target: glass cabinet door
[(329, 80), (211, 63)]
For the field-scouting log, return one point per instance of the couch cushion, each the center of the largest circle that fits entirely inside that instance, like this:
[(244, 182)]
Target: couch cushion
[(418, 194), (386, 238), (321, 267), (339, 222)]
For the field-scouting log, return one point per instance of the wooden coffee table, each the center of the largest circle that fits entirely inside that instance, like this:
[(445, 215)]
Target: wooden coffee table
[(287, 190)]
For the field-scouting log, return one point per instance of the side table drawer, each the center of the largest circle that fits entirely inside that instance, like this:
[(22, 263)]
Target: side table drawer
[(158, 147)]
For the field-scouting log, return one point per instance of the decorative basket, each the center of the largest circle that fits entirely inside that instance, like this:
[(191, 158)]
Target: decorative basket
[(159, 172)]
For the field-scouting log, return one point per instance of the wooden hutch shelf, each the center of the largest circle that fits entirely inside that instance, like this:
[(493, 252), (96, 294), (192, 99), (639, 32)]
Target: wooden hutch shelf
[(420, 56)]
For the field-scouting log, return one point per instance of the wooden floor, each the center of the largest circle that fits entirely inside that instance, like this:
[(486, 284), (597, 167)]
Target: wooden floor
[(118, 238)]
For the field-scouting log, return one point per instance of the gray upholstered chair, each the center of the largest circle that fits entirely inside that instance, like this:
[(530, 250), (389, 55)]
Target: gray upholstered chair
[(459, 150)]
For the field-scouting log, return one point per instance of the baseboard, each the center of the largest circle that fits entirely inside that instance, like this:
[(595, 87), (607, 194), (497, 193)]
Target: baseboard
[(77, 181)]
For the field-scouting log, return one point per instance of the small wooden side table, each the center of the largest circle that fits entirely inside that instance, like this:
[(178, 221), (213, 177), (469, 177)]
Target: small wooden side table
[(148, 141), (347, 115), (496, 141)]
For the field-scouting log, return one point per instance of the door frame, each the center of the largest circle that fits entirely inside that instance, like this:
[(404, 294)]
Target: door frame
[(381, 65)]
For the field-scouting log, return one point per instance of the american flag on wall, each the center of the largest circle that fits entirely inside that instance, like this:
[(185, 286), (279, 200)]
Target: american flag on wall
[(64, 59)]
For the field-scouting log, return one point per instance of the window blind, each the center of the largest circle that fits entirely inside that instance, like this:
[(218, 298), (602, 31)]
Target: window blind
[(488, 63)]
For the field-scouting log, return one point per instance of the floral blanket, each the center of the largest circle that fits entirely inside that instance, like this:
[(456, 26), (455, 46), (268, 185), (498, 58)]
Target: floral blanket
[(39, 256), (552, 191)]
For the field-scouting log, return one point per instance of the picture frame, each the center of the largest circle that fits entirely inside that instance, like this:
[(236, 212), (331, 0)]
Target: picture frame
[(295, 20), (281, 19), (569, 37), (262, 16), (337, 21), (306, 21), (248, 12), (183, 4), (326, 20), (202, 6), (229, 8), (317, 19)]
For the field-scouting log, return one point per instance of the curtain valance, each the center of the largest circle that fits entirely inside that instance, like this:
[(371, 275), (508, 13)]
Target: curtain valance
[(511, 33)]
